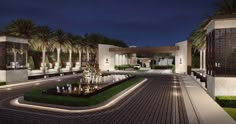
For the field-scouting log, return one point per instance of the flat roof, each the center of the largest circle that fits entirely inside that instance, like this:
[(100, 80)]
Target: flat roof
[(220, 17), (164, 49)]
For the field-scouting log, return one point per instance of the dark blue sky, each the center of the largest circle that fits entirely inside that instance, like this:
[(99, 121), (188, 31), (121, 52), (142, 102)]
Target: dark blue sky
[(137, 22)]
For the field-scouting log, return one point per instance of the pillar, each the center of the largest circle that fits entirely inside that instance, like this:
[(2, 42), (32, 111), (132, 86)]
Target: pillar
[(117, 59), (120, 59), (124, 59)]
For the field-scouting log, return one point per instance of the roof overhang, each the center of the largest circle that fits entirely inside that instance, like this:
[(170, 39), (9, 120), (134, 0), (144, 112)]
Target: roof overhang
[(164, 49), (219, 17)]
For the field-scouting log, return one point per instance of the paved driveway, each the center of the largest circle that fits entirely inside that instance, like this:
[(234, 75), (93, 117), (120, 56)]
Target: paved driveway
[(158, 101)]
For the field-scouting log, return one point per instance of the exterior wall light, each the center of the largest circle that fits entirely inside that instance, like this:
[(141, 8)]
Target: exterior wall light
[(180, 61), (107, 60)]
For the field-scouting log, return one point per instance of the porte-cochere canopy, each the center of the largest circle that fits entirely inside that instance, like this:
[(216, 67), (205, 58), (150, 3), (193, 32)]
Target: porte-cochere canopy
[(164, 49)]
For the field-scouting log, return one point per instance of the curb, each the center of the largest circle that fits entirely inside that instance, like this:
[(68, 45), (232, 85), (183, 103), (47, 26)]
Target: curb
[(57, 108)]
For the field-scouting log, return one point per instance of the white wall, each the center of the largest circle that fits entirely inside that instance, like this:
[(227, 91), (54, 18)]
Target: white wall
[(221, 86), (13, 39), (165, 61), (221, 23), (2, 75), (103, 54), (181, 53), (211, 85), (14, 76)]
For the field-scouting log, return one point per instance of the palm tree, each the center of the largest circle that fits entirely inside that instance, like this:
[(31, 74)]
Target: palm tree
[(77, 46), (21, 28), (87, 48), (70, 41), (59, 41), (227, 7), (198, 36), (41, 41)]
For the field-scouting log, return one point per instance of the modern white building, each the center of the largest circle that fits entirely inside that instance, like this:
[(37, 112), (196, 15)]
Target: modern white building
[(13, 59), (110, 55), (219, 59), (14, 55)]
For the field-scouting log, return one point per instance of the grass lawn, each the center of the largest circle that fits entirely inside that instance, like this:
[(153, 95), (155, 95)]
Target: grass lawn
[(228, 103), (38, 96), (231, 112)]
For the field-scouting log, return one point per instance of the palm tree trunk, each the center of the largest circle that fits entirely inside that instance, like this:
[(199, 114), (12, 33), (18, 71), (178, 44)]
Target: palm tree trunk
[(87, 54), (70, 56), (80, 57), (58, 55), (43, 58), (70, 59), (15, 56), (26, 58)]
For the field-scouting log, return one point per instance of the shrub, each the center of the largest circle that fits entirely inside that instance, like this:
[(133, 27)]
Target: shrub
[(123, 67), (39, 96), (161, 66), (2, 83), (226, 101)]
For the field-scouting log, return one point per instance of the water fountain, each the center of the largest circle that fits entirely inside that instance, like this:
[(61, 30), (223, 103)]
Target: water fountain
[(92, 82)]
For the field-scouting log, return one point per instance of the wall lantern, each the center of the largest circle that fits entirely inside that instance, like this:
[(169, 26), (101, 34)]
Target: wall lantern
[(180, 61), (107, 60)]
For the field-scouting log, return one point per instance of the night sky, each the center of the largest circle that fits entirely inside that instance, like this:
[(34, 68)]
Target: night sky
[(137, 22)]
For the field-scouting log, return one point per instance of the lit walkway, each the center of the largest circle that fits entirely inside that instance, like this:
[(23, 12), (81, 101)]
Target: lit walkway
[(201, 108), (158, 101)]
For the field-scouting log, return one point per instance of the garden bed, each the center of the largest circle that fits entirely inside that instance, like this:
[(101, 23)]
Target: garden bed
[(228, 103), (101, 87), (40, 97), (2, 83), (161, 67)]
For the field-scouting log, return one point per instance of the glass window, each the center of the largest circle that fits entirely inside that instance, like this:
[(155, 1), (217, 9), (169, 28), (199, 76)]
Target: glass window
[(16, 55)]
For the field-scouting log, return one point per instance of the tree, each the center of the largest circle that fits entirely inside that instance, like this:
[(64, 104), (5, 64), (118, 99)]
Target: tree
[(227, 7), (59, 41), (20, 28), (198, 36), (77, 47), (100, 39), (41, 41), (70, 41)]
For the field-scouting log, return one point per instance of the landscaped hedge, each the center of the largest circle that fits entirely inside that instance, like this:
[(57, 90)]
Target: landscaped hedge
[(161, 67), (123, 67), (226, 101), (38, 96), (2, 83)]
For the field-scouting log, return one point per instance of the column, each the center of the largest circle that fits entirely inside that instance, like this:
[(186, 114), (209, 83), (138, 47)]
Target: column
[(123, 58), (126, 55), (200, 59), (204, 59), (120, 58), (117, 59)]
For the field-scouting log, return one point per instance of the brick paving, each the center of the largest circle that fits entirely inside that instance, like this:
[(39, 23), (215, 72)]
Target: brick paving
[(158, 101)]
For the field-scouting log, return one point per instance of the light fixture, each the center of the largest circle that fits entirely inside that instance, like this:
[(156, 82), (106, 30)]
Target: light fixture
[(180, 61), (107, 60)]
